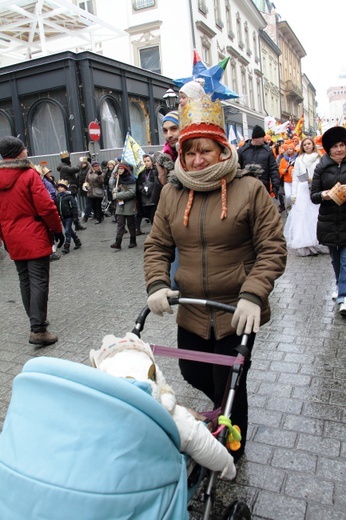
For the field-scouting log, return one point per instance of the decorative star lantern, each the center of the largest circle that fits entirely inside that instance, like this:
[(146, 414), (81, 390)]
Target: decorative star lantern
[(211, 76)]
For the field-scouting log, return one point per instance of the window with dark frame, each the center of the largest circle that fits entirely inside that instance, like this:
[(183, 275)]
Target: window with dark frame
[(150, 59)]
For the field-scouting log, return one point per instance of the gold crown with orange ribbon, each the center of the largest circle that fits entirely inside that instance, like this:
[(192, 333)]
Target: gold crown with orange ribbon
[(202, 119)]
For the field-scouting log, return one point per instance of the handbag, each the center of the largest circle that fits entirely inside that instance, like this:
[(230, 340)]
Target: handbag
[(303, 177), (97, 192)]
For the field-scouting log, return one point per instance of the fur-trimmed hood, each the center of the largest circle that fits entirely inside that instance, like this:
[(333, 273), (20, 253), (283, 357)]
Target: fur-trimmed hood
[(11, 169)]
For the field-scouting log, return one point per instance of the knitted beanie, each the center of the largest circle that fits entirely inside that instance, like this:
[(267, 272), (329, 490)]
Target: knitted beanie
[(171, 116), (257, 132), (11, 147), (193, 89)]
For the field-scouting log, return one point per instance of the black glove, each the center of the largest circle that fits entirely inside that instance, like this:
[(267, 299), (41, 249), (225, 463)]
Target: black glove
[(60, 238)]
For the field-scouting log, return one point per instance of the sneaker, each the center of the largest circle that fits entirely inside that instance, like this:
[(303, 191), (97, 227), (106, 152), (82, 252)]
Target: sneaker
[(80, 228), (342, 308), (42, 338), (54, 256)]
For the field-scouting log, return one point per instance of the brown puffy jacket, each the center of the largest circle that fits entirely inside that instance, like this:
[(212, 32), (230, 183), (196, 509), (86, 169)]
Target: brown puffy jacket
[(218, 259)]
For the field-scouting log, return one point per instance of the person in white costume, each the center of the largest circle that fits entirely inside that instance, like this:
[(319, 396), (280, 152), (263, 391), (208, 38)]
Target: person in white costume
[(301, 223)]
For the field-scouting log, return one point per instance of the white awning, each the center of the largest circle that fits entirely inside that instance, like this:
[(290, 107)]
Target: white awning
[(31, 29)]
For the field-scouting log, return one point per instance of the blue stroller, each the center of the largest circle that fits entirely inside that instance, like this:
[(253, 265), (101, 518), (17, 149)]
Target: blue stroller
[(79, 444)]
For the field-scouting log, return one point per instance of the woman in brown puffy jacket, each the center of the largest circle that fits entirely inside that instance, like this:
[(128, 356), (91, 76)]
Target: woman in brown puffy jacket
[(231, 249)]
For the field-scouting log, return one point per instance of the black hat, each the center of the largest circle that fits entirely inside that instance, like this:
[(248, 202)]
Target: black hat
[(336, 134), (10, 147), (257, 132)]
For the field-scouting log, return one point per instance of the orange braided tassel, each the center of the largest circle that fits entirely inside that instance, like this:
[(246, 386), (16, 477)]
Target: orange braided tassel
[(188, 208), (223, 199)]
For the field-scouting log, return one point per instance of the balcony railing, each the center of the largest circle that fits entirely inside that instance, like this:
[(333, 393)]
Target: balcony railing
[(293, 90)]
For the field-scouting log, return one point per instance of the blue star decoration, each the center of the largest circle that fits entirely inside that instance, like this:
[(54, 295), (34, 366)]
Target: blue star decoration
[(211, 76)]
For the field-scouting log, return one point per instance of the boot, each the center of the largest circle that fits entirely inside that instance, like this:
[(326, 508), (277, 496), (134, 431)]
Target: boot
[(66, 248), (77, 243), (42, 338), (132, 243), (117, 244), (79, 227)]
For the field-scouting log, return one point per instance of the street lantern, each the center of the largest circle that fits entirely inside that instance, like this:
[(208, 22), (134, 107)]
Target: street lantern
[(170, 98)]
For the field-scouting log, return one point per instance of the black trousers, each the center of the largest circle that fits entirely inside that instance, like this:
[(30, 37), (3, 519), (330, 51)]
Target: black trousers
[(34, 288), (96, 208), (212, 379), (131, 224)]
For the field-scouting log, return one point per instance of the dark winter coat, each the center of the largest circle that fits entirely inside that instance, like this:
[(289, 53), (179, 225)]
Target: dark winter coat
[(145, 186), (27, 213), (262, 155), (331, 223), (81, 177), (67, 206), (69, 173)]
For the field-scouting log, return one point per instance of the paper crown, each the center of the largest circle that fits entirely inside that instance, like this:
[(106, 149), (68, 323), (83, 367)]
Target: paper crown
[(202, 119), (64, 183), (64, 154), (203, 111)]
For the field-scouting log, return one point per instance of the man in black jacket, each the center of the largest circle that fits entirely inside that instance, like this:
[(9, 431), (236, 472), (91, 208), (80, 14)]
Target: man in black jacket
[(255, 151), (69, 174)]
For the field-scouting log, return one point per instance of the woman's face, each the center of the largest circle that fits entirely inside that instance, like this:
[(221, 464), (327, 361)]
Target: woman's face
[(121, 170), (338, 151), (308, 146), (203, 153)]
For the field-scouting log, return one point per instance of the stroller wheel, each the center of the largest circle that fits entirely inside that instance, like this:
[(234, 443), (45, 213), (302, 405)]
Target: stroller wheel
[(237, 511)]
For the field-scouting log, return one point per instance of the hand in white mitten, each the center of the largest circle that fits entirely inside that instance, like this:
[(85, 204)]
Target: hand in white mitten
[(293, 199), (158, 301), (247, 317), (229, 471)]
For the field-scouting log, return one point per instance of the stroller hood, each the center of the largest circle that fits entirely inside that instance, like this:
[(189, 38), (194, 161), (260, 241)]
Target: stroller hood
[(81, 444)]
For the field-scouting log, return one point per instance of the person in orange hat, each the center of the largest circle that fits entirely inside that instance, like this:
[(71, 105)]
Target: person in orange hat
[(319, 145), (296, 140), (285, 170)]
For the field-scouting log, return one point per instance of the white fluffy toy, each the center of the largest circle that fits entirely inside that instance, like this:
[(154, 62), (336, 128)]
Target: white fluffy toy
[(130, 357)]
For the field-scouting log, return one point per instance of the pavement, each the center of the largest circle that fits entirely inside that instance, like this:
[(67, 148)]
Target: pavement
[(294, 467)]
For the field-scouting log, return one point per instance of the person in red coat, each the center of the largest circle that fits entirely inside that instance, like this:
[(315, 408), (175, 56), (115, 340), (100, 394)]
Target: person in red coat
[(28, 216)]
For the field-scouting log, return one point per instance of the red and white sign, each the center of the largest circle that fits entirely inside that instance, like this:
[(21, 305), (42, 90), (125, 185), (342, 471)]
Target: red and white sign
[(94, 131)]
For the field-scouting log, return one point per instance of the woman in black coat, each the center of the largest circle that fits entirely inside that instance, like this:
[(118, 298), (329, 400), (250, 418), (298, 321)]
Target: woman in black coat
[(325, 190)]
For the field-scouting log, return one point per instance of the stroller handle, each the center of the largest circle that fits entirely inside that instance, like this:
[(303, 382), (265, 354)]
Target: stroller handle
[(175, 301)]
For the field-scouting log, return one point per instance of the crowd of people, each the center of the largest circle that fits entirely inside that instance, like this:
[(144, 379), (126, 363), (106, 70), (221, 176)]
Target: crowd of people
[(216, 233)]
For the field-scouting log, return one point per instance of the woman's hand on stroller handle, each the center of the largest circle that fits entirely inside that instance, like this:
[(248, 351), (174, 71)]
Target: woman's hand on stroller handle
[(247, 317), (158, 302)]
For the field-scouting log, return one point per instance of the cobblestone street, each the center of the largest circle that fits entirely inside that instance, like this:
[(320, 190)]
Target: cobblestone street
[(294, 467)]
